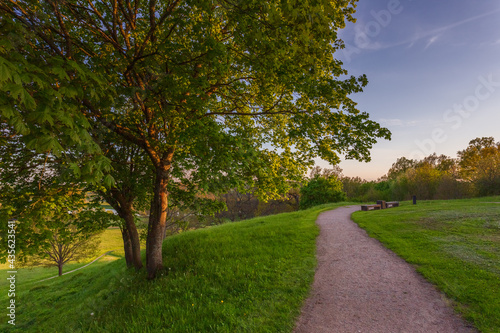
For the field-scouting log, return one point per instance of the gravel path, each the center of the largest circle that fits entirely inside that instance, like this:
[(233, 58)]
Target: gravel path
[(360, 286)]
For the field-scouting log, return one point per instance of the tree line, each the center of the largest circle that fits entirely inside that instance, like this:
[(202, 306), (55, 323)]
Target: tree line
[(474, 172)]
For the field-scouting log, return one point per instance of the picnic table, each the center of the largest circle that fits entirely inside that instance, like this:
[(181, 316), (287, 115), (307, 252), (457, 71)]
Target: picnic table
[(381, 204)]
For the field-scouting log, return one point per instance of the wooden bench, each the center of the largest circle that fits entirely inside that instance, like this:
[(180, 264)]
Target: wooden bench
[(370, 207), (391, 204)]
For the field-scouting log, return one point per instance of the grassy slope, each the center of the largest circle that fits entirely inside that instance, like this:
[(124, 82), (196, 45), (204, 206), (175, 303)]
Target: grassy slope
[(240, 277), (111, 240), (455, 244)]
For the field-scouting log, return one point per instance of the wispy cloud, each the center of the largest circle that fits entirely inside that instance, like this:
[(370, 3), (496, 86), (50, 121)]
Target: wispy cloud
[(431, 35), (395, 122), (436, 33), (431, 41), (391, 122)]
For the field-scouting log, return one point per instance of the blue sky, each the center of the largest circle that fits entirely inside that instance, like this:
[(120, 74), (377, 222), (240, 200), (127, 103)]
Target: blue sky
[(434, 75)]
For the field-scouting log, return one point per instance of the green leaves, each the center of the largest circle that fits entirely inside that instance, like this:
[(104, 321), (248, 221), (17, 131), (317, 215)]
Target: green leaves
[(5, 73), (46, 143), (108, 181), (321, 190)]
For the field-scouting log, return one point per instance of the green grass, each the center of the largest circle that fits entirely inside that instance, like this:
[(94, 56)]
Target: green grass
[(455, 244), (111, 240), (250, 276)]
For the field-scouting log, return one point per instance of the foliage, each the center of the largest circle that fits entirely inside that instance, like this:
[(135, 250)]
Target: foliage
[(401, 165), (353, 187), (37, 191), (480, 165), (454, 244), (62, 229), (321, 190), (202, 87)]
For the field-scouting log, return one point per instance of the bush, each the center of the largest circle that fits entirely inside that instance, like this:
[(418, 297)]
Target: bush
[(320, 190)]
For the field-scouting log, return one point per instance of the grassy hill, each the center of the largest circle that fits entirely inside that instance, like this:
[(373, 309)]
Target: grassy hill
[(253, 276), (454, 244), (250, 276), (111, 240)]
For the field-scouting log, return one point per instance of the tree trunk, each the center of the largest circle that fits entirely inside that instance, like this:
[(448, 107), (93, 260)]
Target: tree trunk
[(133, 236), (60, 266), (157, 222), (123, 206), (127, 246)]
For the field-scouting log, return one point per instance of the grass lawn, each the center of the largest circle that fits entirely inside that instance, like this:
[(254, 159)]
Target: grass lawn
[(250, 276), (455, 244)]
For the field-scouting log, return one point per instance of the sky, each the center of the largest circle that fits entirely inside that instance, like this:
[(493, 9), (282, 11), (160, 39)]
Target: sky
[(434, 76)]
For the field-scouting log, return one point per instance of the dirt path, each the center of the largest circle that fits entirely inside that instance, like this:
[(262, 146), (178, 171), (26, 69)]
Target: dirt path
[(360, 286)]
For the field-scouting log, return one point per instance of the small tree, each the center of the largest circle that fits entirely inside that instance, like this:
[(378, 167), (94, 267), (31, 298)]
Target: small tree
[(321, 190), (65, 246), (65, 227)]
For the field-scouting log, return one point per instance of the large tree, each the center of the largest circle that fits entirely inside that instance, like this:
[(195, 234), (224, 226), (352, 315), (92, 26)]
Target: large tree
[(216, 93)]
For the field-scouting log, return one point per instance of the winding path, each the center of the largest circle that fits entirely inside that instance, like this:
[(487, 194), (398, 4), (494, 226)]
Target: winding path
[(360, 286)]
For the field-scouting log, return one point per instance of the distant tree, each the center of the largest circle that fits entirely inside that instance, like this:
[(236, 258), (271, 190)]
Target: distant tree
[(201, 87), (452, 188), (320, 190), (480, 165), (400, 166), (448, 165), (325, 173), (352, 186), (247, 205), (434, 177), (423, 181)]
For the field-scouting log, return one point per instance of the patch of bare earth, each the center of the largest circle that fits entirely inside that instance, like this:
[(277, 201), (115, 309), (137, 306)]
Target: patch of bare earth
[(360, 286)]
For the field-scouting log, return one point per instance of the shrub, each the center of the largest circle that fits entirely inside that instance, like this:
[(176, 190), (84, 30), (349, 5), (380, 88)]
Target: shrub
[(320, 190)]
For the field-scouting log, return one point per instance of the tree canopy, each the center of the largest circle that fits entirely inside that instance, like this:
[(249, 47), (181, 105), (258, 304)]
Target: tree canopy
[(480, 164), (217, 94)]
